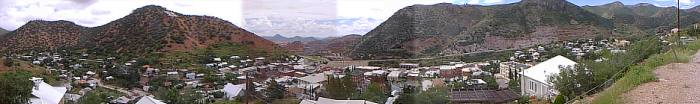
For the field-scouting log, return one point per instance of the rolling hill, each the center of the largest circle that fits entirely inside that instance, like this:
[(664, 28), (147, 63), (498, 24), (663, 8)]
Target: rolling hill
[(643, 16), (427, 30), (282, 39), (147, 29)]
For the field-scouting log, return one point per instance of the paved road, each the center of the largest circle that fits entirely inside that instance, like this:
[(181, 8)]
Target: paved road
[(678, 84), (122, 90)]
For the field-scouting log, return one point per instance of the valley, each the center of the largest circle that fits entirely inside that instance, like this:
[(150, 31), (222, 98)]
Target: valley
[(527, 51)]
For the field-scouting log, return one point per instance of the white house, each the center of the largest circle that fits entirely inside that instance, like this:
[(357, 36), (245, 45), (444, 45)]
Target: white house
[(534, 79), (233, 90), (46, 94), (148, 100), (394, 76)]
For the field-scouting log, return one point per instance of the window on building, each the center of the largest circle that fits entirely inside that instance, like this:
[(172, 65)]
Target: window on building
[(533, 87)]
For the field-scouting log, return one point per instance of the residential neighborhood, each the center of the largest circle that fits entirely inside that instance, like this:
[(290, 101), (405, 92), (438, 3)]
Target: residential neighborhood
[(349, 52)]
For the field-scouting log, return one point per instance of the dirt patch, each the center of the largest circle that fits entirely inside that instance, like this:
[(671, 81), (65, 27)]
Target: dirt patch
[(677, 84)]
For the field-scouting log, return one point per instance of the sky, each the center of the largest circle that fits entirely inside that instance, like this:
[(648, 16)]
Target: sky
[(316, 18)]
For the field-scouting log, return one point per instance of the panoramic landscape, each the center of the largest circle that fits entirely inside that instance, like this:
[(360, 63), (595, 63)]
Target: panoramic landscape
[(349, 52)]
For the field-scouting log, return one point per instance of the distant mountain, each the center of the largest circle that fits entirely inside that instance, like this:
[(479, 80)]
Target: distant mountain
[(335, 45), (281, 39), (147, 29), (426, 30), (643, 16)]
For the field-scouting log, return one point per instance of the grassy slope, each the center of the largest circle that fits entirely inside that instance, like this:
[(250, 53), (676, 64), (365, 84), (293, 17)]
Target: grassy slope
[(644, 72)]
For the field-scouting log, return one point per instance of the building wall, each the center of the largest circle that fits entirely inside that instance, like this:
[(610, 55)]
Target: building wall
[(531, 87)]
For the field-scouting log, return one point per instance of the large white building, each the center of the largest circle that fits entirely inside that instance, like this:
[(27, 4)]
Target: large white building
[(534, 79), (46, 94), (233, 91), (149, 100)]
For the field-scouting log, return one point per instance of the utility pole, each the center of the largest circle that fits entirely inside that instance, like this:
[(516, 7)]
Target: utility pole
[(247, 86), (678, 27)]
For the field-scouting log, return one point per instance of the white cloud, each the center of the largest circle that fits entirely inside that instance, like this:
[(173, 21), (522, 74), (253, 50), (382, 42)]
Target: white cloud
[(473, 2), (686, 2), (94, 13), (483, 2), (263, 17), (492, 1)]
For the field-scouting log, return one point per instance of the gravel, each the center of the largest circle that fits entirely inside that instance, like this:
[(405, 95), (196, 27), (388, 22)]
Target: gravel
[(678, 83)]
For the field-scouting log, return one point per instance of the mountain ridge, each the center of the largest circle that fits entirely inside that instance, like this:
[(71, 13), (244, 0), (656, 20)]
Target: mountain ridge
[(426, 30), (147, 29), (277, 38)]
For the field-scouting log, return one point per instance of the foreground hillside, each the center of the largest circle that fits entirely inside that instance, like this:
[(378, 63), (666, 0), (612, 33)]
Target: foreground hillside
[(146, 29), (669, 89)]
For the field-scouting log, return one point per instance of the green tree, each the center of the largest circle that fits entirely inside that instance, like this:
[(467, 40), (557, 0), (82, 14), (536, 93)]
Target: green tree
[(559, 100), (15, 87), (92, 98), (231, 78), (560, 51), (274, 91), (211, 78), (374, 93), (435, 95), (490, 82), (573, 81), (174, 96), (340, 88), (8, 62), (406, 96)]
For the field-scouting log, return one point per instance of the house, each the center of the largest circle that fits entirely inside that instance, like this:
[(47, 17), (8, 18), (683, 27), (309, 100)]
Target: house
[(322, 100), (121, 100), (191, 76), (46, 94), (148, 100), (313, 78), (534, 79), (394, 75), (408, 65), (233, 90)]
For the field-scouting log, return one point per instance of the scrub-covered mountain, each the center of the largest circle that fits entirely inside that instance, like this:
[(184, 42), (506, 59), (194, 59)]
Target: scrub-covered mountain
[(282, 39), (339, 46), (643, 16), (146, 29), (424, 30)]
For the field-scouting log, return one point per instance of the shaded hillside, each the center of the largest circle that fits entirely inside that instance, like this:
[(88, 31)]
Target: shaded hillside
[(146, 29), (2, 31), (282, 39), (425, 30), (334, 45), (343, 45)]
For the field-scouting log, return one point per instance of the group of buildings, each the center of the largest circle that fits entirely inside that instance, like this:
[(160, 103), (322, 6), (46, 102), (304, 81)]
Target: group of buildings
[(305, 80)]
